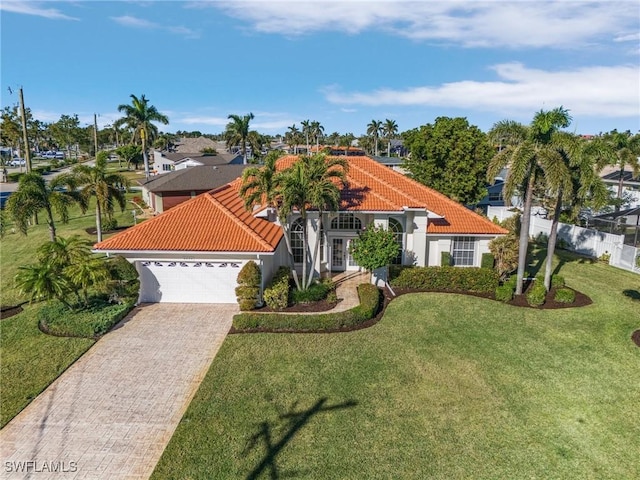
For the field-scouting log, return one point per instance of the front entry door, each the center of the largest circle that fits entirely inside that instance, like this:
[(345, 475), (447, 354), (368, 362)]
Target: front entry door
[(337, 255)]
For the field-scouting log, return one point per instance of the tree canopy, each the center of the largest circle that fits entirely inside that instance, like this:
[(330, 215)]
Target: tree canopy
[(450, 156)]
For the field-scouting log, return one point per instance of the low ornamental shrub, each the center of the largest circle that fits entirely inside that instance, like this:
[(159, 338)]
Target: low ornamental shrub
[(276, 295), (557, 281), (90, 322), (565, 295), (445, 259), (124, 284), (316, 292), (487, 261), (504, 293), (468, 279), (369, 303), (537, 293), (248, 289)]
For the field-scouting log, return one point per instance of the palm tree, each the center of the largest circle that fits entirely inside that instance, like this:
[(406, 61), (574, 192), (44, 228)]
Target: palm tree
[(317, 130), (42, 281), (259, 184), (334, 138), (292, 137), (389, 129), (35, 194), (306, 131), (106, 187), (374, 128), (237, 133), (525, 147), (620, 149), (310, 183), (139, 117), (92, 271)]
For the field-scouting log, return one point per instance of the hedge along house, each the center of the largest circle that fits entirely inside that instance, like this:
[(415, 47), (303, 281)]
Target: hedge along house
[(194, 252)]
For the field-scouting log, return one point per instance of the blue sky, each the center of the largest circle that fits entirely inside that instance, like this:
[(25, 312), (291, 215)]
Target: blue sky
[(340, 63)]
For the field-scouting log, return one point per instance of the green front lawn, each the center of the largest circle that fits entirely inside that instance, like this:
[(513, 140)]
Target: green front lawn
[(444, 386)]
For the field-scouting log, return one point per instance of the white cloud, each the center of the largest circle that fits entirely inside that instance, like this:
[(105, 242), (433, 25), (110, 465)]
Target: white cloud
[(199, 120), (34, 8), (590, 91), (511, 24), (136, 22)]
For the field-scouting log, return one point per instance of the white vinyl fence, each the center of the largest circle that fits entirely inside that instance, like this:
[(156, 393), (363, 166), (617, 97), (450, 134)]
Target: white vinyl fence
[(585, 241)]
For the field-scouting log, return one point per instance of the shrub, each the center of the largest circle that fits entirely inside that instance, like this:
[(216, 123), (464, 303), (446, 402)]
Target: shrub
[(316, 292), (369, 303), (504, 293), (565, 295), (557, 281), (109, 224), (537, 293), (505, 253), (276, 295), (605, 257), (445, 259), (471, 279), (248, 289), (124, 284), (512, 281), (487, 261), (96, 319)]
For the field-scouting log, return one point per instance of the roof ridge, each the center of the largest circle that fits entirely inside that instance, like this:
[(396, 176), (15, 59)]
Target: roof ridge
[(237, 221)]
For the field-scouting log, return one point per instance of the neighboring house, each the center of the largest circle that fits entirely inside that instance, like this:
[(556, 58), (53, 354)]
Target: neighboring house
[(392, 162), (162, 192), (629, 181), (193, 252), (164, 162)]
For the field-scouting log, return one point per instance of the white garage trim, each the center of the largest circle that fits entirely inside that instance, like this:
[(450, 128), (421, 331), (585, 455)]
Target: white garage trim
[(174, 281)]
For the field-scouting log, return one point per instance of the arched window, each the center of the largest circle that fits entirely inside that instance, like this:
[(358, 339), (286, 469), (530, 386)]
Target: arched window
[(297, 244), (346, 221), (396, 227)]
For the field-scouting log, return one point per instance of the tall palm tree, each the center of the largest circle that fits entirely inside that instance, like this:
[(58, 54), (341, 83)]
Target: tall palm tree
[(108, 188), (389, 130), (139, 117), (317, 130), (374, 128), (306, 131), (620, 149), (237, 133), (292, 137), (35, 194), (311, 183), (259, 185), (525, 147)]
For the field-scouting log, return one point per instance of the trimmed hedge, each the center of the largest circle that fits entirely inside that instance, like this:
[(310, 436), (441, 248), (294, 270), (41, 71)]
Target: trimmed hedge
[(276, 295), (316, 292), (488, 260), (248, 289), (537, 293), (97, 319), (369, 303), (565, 295), (557, 281), (504, 293), (468, 279), (445, 259)]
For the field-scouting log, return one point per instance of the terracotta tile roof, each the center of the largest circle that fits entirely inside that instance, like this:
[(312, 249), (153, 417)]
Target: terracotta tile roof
[(374, 187), (214, 221)]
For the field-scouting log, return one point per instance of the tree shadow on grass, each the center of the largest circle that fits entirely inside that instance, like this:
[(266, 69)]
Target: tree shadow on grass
[(275, 435), (632, 294)]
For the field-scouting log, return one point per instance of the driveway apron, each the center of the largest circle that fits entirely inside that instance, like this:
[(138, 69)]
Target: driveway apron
[(112, 413)]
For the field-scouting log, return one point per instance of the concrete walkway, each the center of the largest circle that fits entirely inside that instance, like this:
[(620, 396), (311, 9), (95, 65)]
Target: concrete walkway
[(112, 413), (347, 289)]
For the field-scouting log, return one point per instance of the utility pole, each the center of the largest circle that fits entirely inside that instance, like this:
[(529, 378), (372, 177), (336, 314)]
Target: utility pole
[(95, 134), (25, 138)]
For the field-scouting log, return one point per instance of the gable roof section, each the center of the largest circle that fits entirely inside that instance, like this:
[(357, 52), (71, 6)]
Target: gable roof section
[(374, 187), (215, 221), (194, 178)]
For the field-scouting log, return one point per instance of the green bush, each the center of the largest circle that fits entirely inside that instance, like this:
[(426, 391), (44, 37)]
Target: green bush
[(109, 224), (96, 319), (316, 292), (488, 260), (557, 281), (504, 293), (276, 295), (537, 293), (124, 284), (248, 289), (512, 281), (369, 303), (565, 295), (445, 259), (471, 279)]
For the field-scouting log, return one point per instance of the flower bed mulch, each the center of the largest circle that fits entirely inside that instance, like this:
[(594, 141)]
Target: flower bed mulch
[(635, 336), (310, 307), (7, 312)]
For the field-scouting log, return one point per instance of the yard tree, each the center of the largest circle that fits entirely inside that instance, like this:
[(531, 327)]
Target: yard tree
[(451, 157), (139, 117), (389, 130), (375, 247), (526, 147), (619, 150), (10, 128), (306, 131), (317, 131), (237, 133), (108, 188), (374, 128), (292, 138), (130, 154), (35, 194), (67, 132), (505, 247)]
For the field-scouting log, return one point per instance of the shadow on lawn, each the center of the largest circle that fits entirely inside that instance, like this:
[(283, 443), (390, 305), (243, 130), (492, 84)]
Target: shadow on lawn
[(632, 294), (276, 435)]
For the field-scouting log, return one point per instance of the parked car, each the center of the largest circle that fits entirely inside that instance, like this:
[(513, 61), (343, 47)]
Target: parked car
[(17, 162)]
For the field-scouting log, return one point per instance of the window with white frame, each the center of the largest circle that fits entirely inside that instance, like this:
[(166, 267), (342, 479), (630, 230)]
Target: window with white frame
[(297, 244), (396, 227), (463, 251), (346, 221)]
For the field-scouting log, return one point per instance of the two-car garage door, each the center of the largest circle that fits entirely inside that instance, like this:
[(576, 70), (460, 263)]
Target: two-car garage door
[(188, 282)]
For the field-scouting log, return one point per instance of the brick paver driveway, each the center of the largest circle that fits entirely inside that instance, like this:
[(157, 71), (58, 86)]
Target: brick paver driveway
[(113, 412)]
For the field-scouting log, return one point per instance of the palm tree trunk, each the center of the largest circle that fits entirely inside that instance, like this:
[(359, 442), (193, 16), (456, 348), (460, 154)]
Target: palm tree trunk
[(305, 248), (389, 148), (52, 226), (551, 244), (98, 220), (316, 249), (524, 234), (620, 186)]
